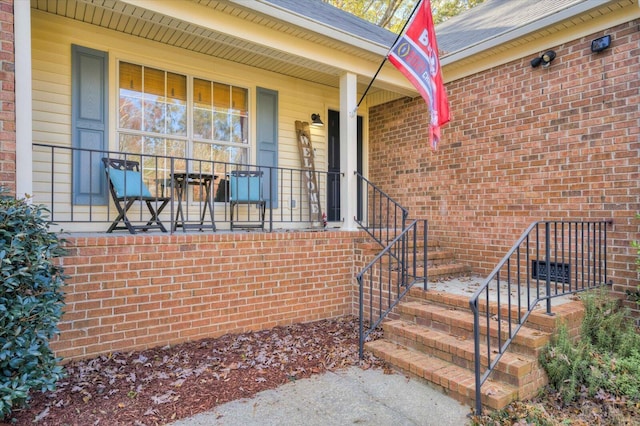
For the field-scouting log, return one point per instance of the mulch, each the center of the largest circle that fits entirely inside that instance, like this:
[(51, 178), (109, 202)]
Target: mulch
[(161, 385)]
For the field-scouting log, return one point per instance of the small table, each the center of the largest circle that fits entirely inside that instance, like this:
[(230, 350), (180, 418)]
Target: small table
[(181, 181)]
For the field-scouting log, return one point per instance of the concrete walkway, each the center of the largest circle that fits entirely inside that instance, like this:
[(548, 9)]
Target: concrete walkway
[(346, 397)]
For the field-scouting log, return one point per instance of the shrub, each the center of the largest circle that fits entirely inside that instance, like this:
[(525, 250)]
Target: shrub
[(605, 359), (31, 302), (635, 294)]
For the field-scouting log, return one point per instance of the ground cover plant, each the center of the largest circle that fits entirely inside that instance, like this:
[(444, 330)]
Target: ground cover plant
[(31, 302), (594, 380)]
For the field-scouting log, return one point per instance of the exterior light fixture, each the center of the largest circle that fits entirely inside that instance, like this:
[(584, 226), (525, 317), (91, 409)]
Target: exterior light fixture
[(599, 44), (315, 120), (544, 60)]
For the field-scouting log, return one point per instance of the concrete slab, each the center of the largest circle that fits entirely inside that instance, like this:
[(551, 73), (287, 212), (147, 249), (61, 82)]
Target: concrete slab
[(346, 397)]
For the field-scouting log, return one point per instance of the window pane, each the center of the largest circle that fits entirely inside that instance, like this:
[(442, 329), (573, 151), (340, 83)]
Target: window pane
[(239, 101), (130, 143), (130, 78), (221, 127), (239, 129), (130, 112), (177, 118), (154, 116), (221, 97), (202, 123), (202, 93), (177, 87), (130, 102), (237, 155), (153, 82), (220, 154)]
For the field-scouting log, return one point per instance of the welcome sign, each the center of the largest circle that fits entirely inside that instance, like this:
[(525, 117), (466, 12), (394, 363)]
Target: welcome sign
[(310, 180)]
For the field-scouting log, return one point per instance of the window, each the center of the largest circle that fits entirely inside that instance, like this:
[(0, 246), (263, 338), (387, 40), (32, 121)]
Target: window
[(174, 115)]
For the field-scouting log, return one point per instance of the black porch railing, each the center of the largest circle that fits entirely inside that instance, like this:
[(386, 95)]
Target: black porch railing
[(401, 263), (384, 219), (72, 183), (550, 259), (390, 276)]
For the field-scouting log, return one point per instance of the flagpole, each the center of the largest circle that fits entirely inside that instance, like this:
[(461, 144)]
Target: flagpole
[(385, 56)]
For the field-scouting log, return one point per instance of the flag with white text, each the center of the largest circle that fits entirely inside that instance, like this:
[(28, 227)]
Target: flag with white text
[(415, 54)]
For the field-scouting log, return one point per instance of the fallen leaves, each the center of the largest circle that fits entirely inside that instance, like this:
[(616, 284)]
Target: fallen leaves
[(159, 385)]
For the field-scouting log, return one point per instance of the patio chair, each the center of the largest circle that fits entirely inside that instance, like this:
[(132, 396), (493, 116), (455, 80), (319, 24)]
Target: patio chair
[(245, 187), (126, 187)]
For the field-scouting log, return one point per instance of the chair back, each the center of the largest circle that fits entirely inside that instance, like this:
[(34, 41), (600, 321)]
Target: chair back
[(125, 178), (245, 186)]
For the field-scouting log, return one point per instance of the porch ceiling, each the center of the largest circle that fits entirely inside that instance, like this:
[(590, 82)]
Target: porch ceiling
[(190, 26)]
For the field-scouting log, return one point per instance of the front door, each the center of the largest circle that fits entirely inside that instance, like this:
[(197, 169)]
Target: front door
[(333, 184)]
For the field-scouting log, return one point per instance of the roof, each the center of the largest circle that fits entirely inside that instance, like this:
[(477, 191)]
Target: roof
[(501, 21), (338, 19), (494, 17)]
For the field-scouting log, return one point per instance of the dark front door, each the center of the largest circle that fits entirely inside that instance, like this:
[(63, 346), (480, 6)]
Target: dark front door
[(333, 184)]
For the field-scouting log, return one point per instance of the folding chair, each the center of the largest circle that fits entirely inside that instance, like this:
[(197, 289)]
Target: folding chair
[(245, 187), (127, 187)]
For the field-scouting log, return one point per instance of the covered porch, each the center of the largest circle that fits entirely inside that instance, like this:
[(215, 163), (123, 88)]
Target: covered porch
[(200, 87)]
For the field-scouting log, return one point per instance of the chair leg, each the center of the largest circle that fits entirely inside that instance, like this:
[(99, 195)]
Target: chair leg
[(154, 216), (122, 217), (232, 206)]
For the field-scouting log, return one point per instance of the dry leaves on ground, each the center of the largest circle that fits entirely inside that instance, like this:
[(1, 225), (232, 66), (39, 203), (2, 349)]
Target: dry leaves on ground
[(160, 385)]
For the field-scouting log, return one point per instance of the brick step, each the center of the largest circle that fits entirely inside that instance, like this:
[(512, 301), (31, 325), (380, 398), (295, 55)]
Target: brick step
[(518, 370), (434, 258), (374, 247), (457, 321), (571, 312), (453, 380)]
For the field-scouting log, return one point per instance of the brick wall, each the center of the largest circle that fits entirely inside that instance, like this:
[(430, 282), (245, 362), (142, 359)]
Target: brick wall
[(136, 291), (7, 98), (524, 144)]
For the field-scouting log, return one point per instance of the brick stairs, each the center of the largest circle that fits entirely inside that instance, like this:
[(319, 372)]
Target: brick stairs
[(441, 262), (429, 335), (432, 339)]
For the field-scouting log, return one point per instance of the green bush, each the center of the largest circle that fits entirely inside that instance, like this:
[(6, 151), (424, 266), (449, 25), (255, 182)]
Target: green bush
[(31, 302), (605, 359)]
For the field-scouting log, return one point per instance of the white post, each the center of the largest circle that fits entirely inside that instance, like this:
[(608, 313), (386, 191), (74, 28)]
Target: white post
[(24, 126), (348, 149)]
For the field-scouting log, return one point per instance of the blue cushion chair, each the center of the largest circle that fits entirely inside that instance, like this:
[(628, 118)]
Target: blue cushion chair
[(126, 187), (245, 187)]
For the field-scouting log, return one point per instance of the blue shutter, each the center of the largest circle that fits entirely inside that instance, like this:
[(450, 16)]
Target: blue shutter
[(267, 135), (89, 114)]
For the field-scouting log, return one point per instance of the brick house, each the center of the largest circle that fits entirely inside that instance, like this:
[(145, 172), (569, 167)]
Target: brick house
[(524, 144)]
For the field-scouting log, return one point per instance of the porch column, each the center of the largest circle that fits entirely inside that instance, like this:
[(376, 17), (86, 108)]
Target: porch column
[(23, 95), (348, 149)]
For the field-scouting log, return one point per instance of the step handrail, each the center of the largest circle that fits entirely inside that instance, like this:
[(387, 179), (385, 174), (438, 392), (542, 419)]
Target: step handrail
[(561, 251), (380, 276), (383, 216)]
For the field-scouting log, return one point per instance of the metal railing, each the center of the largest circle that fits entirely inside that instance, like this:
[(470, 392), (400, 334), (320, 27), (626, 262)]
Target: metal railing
[(384, 219), (390, 276), (550, 259), (71, 183)]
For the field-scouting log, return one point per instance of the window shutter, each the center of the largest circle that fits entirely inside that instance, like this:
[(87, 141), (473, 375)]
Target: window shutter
[(267, 135), (89, 114)]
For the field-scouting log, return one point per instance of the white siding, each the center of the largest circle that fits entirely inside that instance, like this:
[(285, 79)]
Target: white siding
[(52, 38)]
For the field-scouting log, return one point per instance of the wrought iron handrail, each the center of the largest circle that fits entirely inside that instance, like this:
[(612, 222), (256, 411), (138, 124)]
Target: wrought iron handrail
[(390, 276), (56, 167), (574, 258), (384, 218)]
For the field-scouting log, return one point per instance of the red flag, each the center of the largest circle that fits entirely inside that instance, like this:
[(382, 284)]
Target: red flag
[(415, 54)]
